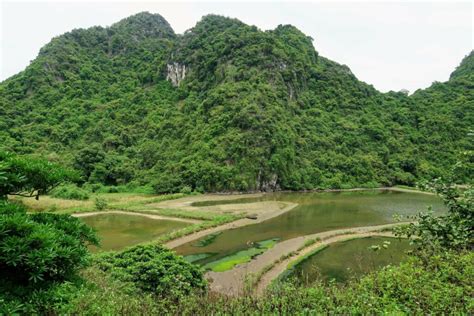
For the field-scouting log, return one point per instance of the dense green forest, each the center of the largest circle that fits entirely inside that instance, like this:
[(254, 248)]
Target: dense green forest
[(225, 106)]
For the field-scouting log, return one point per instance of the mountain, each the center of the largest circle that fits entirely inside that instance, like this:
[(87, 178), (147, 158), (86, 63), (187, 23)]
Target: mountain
[(225, 106)]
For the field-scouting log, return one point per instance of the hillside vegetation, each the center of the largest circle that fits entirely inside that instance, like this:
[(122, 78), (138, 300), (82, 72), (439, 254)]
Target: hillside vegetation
[(225, 106)]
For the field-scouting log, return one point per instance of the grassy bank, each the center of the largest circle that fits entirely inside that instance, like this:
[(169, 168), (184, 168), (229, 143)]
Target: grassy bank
[(114, 201)]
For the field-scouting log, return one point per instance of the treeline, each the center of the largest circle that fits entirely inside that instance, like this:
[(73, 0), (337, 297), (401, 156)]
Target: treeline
[(254, 110)]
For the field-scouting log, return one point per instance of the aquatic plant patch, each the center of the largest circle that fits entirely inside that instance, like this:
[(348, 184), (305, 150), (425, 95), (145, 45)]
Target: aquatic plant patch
[(240, 257), (209, 239)]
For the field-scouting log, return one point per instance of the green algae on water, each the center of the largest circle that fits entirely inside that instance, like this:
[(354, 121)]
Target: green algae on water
[(240, 257)]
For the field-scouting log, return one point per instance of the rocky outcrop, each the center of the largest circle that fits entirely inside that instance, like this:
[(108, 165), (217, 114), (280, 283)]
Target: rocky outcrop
[(176, 72), (268, 185)]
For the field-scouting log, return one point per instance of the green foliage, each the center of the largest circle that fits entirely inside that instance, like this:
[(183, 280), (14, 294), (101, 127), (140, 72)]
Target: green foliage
[(256, 110), (444, 286), (100, 204), (29, 176), (455, 229), (155, 270), (38, 253), (70, 192), (186, 190)]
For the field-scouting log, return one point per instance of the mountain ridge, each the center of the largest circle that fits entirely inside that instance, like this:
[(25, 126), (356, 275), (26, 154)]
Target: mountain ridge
[(225, 106)]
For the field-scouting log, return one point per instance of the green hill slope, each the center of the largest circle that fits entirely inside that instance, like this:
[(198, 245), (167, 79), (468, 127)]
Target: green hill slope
[(225, 106)]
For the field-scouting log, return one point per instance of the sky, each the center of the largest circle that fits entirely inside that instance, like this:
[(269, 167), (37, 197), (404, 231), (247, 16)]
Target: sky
[(391, 45)]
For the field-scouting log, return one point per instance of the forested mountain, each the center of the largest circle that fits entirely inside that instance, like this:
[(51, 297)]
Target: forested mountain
[(226, 106)]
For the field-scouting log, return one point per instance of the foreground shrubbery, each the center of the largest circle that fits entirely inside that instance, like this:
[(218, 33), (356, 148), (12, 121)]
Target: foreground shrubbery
[(154, 269), (444, 285), (39, 254)]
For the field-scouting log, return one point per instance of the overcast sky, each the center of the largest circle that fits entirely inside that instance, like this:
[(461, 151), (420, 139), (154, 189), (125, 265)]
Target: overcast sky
[(391, 45)]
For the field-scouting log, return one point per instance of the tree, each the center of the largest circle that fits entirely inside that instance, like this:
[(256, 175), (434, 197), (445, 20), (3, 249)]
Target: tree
[(86, 159), (37, 251), (29, 176)]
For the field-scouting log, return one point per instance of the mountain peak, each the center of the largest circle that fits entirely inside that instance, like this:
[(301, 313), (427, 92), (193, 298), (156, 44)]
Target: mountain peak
[(145, 24), (465, 68)]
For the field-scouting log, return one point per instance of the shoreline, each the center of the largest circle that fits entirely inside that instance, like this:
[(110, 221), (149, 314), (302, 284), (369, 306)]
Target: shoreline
[(394, 188), (151, 216)]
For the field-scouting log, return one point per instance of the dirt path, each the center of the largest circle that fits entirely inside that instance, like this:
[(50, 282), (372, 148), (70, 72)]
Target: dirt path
[(232, 282), (271, 209), (151, 216)]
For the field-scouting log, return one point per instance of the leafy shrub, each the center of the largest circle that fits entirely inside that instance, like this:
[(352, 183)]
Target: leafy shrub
[(38, 248), (112, 189), (39, 251), (100, 204), (133, 187), (154, 269), (70, 192), (453, 230), (186, 190)]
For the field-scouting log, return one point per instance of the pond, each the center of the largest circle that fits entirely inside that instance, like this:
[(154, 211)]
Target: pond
[(316, 212), (344, 260), (118, 231)]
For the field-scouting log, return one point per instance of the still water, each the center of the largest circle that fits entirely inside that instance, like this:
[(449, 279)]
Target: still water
[(118, 231), (316, 212), (349, 259)]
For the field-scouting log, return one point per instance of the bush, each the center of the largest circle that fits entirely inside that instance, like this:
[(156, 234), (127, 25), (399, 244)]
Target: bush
[(453, 230), (70, 192), (39, 252), (186, 190), (100, 204), (154, 269), (38, 248)]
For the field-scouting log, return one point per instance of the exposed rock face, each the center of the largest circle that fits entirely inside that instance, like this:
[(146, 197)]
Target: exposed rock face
[(176, 73), (268, 185)]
